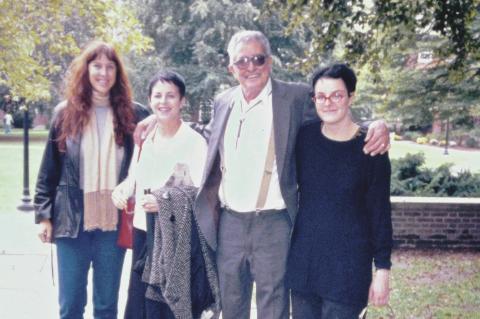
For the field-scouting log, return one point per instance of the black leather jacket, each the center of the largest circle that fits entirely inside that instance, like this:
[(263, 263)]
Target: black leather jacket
[(58, 196)]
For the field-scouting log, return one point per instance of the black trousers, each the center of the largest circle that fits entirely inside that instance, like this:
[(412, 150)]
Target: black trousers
[(139, 307), (307, 306)]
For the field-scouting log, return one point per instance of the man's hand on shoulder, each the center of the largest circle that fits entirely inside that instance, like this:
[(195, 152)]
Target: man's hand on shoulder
[(143, 128), (377, 139)]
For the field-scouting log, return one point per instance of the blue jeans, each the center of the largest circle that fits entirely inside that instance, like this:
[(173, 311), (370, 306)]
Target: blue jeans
[(74, 257)]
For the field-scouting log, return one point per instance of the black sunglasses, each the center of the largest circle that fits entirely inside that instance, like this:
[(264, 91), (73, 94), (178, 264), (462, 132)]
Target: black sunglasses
[(257, 60)]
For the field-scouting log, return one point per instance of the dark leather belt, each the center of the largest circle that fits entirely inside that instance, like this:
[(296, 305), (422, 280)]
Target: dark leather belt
[(263, 212)]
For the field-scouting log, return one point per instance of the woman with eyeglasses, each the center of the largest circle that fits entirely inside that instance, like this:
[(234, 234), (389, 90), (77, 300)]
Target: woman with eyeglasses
[(88, 152), (344, 219)]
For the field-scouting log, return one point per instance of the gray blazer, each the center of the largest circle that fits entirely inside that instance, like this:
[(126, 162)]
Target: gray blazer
[(292, 107)]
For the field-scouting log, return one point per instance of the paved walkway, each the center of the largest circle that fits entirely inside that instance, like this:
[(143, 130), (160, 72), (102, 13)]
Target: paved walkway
[(26, 287)]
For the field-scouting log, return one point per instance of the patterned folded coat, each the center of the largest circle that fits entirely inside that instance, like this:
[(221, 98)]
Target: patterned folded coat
[(180, 268)]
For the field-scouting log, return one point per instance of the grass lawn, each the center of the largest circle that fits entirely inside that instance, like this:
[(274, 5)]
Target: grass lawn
[(32, 133), (434, 156), (425, 284), (11, 172), (433, 284)]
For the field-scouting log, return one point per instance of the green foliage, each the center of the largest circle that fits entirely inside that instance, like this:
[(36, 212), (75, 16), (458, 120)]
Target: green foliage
[(191, 37), (381, 39), (39, 38), (370, 31), (411, 135), (18, 118), (421, 96), (471, 142), (410, 178)]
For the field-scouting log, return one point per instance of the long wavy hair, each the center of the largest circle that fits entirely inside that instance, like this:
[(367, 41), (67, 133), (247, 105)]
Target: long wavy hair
[(78, 93)]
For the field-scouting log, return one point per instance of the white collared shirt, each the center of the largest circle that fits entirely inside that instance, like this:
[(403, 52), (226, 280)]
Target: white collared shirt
[(244, 152)]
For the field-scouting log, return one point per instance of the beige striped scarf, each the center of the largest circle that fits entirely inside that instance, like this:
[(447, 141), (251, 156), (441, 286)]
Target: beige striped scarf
[(100, 175)]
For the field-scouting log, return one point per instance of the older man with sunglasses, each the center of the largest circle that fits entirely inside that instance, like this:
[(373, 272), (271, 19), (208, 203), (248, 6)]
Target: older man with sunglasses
[(248, 197)]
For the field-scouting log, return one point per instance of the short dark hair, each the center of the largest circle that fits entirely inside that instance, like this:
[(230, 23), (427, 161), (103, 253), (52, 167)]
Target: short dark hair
[(170, 77), (337, 71)]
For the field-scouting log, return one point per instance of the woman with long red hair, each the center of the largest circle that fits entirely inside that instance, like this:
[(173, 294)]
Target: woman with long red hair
[(88, 153)]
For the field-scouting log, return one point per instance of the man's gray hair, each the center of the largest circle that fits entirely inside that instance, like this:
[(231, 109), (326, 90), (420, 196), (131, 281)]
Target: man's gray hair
[(245, 36)]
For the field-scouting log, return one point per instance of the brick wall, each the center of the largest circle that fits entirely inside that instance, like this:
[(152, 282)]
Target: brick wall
[(433, 222)]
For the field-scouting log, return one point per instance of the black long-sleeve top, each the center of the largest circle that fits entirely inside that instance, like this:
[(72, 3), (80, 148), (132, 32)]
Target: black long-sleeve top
[(344, 219)]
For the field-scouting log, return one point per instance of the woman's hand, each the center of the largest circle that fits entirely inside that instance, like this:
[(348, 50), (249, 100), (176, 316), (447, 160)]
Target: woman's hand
[(149, 203), (378, 138), (45, 233), (119, 197), (143, 128), (379, 292)]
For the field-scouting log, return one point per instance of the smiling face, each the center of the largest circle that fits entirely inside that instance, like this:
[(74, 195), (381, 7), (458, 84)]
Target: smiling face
[(166, 101), (252, 78), (332, 100), (102, 74)]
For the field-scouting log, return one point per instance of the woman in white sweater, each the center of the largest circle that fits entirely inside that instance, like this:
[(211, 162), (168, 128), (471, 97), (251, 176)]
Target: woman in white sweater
[(169, 143)]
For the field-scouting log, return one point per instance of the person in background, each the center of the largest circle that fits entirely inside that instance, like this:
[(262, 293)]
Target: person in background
[(344, 218), (171, 142), (8, 121), (88, 152)]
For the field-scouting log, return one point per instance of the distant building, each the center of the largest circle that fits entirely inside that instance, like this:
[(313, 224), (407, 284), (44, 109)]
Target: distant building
[(422, 60)]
